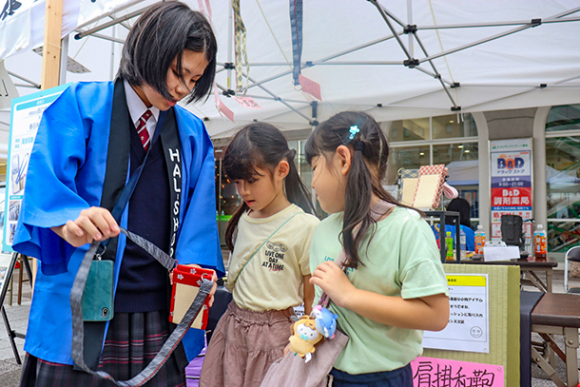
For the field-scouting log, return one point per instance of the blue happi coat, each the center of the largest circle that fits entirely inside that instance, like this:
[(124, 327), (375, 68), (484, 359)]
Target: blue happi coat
[(66, 175)]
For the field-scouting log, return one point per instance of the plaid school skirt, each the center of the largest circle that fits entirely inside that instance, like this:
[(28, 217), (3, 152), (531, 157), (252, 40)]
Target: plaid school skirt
[(133, 340)]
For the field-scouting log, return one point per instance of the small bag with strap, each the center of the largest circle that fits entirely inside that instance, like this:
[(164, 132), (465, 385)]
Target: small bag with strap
[(77, 350), (293, 371)]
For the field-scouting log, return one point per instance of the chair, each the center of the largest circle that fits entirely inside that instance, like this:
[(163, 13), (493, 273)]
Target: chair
[(573, 255)]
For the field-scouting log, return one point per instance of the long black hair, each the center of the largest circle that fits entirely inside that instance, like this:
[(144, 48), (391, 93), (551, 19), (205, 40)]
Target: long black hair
[(261, 145), (368, 146), (462, 206), (161, 35)]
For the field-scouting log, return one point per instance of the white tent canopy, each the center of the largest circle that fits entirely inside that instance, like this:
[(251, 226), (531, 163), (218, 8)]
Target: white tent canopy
[(472, 56)]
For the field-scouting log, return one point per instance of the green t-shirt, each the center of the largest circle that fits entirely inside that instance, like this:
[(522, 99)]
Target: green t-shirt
[(402, 259)]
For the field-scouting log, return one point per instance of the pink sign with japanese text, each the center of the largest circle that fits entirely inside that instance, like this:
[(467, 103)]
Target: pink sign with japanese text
[(431, 372)]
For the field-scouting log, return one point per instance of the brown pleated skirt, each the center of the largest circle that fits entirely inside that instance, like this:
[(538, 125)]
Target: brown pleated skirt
[(244, 345)]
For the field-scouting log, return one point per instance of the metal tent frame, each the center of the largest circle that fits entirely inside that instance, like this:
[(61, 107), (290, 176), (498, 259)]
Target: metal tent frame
[(396, 28)]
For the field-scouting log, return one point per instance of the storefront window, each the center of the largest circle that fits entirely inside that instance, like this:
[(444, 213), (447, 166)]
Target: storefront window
[(450, 127), (565, 117), (563, 191), (409, 130), (448, 153), (408, 157), (459, 153)]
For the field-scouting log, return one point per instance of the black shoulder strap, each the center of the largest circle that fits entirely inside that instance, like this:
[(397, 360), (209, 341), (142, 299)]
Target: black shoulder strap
[(79, 334), (117, 167), (173, 160)]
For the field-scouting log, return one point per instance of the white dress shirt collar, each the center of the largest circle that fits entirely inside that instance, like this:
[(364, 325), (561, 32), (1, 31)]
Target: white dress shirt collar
[(137, 108)]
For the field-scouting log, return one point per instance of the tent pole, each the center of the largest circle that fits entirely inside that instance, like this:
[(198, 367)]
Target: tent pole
[(391, 15), (108, 24), (383, 13), (525, 91), (51, 51), (278, 99), (438, 75), (320, 61), (496, 24), (336, 63), (105, 37), (410, 22), (434, 75), (112, 62), (63, 61), (493, 37), (24, 79), (122, 23), (230, 43), (107, 14)]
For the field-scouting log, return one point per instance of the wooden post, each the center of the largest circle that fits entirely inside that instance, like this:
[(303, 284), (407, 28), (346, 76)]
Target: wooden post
[(50, 59), (51, 50)]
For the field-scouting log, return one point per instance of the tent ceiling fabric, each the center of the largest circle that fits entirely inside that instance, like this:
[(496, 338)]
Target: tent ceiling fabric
[(505, 73)]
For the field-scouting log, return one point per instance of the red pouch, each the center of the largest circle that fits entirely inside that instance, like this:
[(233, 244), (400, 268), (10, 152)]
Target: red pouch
[(186, 283)]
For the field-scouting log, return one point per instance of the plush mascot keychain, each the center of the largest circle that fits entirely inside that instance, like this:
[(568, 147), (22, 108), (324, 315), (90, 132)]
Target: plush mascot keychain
[(309, 331)]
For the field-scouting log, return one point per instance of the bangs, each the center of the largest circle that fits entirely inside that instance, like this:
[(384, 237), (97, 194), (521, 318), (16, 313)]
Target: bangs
[(240, 169), (241, 166), (311, 148)]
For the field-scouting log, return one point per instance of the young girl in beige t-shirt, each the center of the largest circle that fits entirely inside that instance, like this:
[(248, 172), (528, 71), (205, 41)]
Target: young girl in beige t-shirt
[(269, 237)]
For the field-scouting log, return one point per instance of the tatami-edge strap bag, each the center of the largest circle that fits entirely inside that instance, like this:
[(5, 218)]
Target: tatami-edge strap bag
[(97, 303), (294, 371), (77, 350)]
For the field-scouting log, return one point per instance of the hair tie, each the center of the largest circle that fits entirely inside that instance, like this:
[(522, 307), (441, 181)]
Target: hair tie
[(353, 131), (359, 146), (291, 154)]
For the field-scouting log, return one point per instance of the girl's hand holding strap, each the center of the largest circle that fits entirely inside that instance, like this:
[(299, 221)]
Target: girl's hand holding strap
[(95, 223), (425, 313)]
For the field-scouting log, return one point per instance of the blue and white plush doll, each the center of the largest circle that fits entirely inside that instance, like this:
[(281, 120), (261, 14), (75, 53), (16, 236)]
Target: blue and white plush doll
[(325, 321)]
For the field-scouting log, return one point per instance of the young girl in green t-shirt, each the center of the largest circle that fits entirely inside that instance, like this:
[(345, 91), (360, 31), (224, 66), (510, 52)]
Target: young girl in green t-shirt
[(394, 286)]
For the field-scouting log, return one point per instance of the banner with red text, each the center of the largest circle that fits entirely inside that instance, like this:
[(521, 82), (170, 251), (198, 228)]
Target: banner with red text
[(511, 183)]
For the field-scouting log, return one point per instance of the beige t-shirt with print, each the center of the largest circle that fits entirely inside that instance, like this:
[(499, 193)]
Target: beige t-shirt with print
[(273, 279)]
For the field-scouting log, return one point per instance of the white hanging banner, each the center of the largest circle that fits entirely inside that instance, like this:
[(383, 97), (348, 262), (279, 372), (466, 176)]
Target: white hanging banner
[(22, 21)]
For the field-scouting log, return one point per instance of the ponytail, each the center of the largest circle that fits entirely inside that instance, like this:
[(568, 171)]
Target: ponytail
[(233, 224), (296, 191), (357, 202)]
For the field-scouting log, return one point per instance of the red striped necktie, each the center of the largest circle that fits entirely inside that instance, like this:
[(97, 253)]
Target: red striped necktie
[(142, 129)]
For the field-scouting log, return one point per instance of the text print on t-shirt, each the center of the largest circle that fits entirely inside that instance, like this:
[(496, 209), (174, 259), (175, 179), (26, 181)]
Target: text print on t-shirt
[(348, 271), (273, 255)]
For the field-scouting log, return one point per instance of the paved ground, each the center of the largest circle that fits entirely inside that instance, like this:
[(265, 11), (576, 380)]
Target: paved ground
[(18, 317)]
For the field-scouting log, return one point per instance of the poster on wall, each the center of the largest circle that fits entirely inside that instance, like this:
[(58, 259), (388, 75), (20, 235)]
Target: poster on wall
[(468, 327), (25, 117), (511, 184)]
